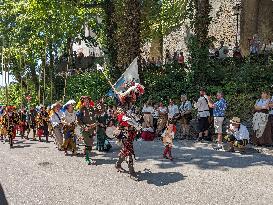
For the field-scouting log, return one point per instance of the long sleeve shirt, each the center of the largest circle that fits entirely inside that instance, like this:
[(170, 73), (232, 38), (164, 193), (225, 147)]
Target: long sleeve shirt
[(240, 133), (56, 118)]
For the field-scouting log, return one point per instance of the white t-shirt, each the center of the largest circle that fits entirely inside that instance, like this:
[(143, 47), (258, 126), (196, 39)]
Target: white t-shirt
[(162, 109), (173, 109), (56, 118), (202, 107), (149, 109)]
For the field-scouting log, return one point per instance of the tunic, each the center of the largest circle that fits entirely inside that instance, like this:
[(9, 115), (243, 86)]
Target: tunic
[(86, 117)]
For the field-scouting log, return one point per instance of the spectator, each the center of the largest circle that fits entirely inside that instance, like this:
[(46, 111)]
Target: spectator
[(168, 58), (147, 112), (219, 109), (254, 45), (173, 110), (212, 52), (163, 118), (175, 57), (181, 59), (261, 126), (223, 50), (155, 115), (238, 135), (153, 61), (203, 113), (158, 62), (185, 111), (237, 52)]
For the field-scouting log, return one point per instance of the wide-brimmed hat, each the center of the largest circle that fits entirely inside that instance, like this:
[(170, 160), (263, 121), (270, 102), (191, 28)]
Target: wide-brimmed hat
[(70, 102), (53, 106), (235, 120)]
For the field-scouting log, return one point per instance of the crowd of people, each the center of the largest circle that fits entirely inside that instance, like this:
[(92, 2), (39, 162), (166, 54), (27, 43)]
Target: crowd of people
[(86, 121), (223, 51)]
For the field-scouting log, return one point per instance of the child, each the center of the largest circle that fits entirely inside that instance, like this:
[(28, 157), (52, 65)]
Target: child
[(167, 138)]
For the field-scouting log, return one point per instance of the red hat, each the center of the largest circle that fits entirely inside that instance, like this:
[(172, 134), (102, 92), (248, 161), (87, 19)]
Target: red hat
[(92, 104)]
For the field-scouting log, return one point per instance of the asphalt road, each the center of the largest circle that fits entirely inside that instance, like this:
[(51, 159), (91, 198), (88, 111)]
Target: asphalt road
[(36, 173)]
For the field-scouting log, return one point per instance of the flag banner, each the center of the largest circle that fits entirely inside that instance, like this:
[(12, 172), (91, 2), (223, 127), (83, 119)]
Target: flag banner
[(130, 74)]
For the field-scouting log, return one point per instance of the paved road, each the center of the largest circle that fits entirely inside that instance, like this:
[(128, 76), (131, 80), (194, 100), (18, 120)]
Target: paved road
[(36, 173)]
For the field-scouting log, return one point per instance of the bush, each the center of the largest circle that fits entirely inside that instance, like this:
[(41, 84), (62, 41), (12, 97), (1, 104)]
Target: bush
[(241, 83)]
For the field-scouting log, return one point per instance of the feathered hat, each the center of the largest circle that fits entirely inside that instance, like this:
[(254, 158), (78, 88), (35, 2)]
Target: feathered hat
[(81, 102)]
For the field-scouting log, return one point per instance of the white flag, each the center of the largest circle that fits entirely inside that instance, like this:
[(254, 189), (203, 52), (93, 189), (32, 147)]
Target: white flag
[(132, 72)]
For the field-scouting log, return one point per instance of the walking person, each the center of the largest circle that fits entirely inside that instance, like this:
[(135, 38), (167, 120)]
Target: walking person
[(167, 138), (32, 123), (56, 121), (127, 134), (69, 121), (87, 122)]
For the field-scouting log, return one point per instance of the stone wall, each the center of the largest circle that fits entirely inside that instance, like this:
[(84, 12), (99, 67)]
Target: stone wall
[(223, 27), (256, 17)]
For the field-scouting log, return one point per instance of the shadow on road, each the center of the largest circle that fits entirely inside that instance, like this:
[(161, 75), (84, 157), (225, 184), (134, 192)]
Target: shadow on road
[(16, 146), (201, 156), (160, 178), (3, 200)]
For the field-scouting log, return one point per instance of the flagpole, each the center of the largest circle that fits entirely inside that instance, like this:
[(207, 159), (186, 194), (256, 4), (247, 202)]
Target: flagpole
[(113, 87)]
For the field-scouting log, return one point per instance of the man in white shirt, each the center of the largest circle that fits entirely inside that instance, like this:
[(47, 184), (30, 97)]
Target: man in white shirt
[(172, 110), (203, 114), (56, 121), (147, 112), (238, 135)]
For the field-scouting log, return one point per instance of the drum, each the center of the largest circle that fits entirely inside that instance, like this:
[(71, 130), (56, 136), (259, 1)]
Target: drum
[(110, 132)]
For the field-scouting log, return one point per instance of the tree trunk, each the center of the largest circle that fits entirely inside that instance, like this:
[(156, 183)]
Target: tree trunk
[(202, 21), (128, 33), (111, 28)]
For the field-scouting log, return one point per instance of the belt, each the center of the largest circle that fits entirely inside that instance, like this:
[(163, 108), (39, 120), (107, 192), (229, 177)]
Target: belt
[(204, 111)]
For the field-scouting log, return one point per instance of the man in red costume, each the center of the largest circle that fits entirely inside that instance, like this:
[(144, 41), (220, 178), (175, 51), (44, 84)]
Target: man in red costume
[(127, 135)]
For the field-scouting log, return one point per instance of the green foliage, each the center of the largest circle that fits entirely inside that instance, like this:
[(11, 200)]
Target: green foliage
[(242, 84), (17, 96), (89, 84)]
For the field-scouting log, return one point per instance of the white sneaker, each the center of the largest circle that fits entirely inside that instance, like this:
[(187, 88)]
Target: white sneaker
[(218, 147)]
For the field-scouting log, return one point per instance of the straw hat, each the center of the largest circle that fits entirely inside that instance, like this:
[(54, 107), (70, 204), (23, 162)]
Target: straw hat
[(236, 120), (53, 106)]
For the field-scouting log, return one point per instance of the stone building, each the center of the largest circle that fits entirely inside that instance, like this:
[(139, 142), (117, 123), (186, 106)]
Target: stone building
[(255, 18)]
